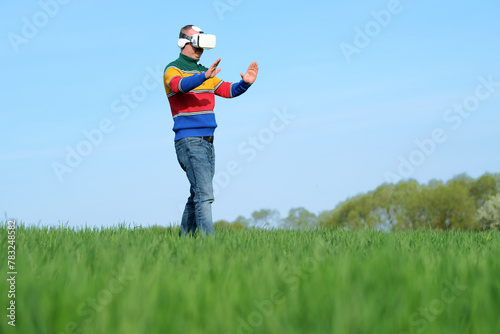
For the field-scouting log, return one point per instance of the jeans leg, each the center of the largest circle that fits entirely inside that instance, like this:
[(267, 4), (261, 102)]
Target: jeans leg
[(196, 157), (203, 162), (188, 222)]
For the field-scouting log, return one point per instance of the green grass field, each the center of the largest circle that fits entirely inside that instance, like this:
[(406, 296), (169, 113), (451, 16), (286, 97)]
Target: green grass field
[(122, 280)]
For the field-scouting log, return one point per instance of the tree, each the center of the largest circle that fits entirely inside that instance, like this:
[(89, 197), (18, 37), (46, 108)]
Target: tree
[(483, 188), (266, 218), (449, 206), (402, 206), (489, 214), (326, 219), (299, 218), (240, 220), (385, 208), (407, 199), (354, 214), (222, 224)]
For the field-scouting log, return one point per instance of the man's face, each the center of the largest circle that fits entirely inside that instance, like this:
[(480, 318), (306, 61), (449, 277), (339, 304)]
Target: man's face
[(189, 50)]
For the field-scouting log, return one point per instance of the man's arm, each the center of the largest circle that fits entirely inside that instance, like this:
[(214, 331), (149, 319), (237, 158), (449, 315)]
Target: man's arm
[(184, 85), (228, 89), (251, 74), (190, 83)]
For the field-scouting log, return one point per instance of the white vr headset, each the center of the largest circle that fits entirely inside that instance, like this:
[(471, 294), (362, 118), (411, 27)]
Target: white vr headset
[(200, 40)]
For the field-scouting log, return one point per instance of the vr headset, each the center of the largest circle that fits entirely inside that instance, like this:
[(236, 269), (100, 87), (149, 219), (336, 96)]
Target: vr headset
[(200, 40)]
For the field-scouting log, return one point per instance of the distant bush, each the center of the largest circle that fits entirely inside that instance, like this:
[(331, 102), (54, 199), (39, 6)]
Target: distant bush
[(408, 205), (489, 214), (224, 224)]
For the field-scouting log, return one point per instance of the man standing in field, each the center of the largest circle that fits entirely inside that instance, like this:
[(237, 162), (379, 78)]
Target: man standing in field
[(191, 90)]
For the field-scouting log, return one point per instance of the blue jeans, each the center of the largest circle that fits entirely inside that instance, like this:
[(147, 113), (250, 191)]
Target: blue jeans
[(197, 158)]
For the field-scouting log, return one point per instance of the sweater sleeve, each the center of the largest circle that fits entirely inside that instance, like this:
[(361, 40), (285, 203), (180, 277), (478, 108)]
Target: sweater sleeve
[(191, 82), (178, 84), (228, 89), (239, 88)]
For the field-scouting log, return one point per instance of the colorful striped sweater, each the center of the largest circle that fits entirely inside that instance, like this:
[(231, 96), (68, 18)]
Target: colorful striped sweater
[(191, 96)]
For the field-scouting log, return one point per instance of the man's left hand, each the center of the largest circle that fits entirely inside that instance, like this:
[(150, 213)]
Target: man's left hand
[(251, 74)]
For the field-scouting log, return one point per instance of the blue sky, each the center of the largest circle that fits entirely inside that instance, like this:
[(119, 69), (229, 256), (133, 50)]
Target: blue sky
[(348, 96)]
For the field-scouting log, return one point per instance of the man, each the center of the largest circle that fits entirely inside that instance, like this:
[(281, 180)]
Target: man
[(191, 90)]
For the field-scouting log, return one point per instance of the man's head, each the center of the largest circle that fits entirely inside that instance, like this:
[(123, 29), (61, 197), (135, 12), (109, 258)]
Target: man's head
[(193, 47)]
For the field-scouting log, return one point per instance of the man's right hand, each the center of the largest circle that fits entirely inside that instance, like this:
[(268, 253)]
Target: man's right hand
[(212, 71)]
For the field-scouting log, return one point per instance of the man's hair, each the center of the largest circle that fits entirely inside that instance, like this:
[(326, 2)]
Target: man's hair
[(185, 29)]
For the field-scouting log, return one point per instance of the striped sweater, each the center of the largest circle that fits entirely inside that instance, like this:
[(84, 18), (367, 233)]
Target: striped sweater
[(192, 97)]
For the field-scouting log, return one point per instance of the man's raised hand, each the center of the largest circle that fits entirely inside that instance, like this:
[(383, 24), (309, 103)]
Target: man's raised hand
[(212, 71), (251, 74)]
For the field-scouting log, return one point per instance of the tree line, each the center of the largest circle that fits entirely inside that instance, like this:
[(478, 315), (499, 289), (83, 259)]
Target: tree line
[(462, 203)]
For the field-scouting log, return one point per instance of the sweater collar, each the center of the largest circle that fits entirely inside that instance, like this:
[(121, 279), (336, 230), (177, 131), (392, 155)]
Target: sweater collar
[(188, 59)]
